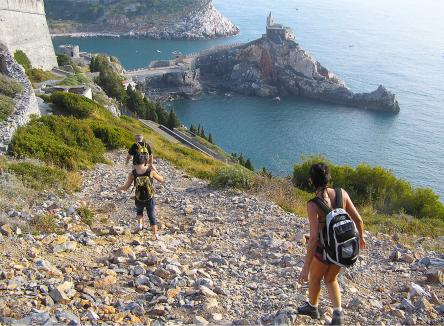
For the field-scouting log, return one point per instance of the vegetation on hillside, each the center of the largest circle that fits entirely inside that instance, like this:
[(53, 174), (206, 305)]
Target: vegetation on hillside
[(75, 80), (375, 187), (8, 89), (94, 12), (35, 75)]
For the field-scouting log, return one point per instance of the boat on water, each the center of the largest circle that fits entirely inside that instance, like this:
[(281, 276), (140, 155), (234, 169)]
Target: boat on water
[(228, 94), (158, 51), (277, 99)]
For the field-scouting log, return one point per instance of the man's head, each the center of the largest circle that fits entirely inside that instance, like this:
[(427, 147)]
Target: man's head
[(139, 138)]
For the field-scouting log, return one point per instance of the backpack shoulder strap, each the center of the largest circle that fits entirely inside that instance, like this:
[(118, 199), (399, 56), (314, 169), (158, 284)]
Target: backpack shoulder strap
[(339, 201), (320, 203)]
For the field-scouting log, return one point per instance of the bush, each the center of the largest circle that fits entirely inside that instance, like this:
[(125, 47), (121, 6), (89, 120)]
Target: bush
[(374, 186), (86, 215), (22, 59), (6, 107), (43, 224), (9, 87), (62, 141), (75, 80), (74, 104), (45, 97), (39, 75), (64, 60), (43, 177), (234, 176), (112, 137)]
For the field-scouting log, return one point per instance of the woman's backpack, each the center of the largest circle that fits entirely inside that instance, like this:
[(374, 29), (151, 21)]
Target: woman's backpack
[(340, 236), (144, 186)]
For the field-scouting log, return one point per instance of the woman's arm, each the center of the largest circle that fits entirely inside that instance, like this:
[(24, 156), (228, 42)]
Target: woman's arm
[(354, 214), (127, 184), (312, 242), (156, 176)]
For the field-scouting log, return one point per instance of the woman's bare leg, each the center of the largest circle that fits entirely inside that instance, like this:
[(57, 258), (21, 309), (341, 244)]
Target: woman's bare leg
[(317, 271), (331, 280)]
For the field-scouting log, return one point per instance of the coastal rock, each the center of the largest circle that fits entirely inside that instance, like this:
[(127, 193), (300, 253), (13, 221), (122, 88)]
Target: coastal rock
[(266, 67)]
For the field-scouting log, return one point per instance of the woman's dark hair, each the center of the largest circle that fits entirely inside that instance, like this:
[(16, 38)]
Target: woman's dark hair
[(140, 159), (319, 175)]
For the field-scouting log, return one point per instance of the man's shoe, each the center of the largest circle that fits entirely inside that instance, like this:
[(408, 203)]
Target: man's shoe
[(308, 310), (338, 318)]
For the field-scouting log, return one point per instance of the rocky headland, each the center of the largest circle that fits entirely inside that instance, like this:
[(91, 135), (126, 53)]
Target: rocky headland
[(270, 67), (190, 20)]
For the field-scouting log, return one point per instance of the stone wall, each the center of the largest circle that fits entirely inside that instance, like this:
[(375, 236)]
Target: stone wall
[(23, 27), (26, 102)]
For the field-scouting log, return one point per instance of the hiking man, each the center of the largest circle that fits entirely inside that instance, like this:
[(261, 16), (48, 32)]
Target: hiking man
[(142, 177), (140, 147)]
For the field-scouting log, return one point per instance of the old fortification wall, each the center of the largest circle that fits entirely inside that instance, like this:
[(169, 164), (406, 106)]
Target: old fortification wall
[(25, 103), (23, 27)]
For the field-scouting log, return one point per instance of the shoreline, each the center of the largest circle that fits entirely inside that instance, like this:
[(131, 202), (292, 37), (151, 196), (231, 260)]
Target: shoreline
[(85, 35)]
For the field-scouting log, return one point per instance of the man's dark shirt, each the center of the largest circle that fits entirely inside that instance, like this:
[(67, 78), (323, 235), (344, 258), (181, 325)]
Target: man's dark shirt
[(133, 150)]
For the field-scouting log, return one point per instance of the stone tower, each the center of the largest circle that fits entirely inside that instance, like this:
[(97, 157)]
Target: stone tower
[(270, 20), (23, 27)]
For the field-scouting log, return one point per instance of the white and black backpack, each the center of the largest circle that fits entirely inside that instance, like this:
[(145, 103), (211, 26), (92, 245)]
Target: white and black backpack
[(340, 236)]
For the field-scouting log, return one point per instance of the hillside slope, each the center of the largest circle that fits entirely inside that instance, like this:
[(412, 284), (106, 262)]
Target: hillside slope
[(223, 256), (164, 19)]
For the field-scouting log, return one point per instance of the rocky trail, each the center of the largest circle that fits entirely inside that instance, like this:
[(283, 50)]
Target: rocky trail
[(224, 257)]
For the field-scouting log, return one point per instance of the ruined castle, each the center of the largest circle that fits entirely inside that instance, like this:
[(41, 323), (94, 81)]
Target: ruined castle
[(23, 27)]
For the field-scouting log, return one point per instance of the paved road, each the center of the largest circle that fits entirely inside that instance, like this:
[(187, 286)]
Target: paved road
[(155, 127)]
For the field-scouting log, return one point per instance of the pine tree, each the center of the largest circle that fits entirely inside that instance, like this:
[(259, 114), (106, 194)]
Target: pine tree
[(248, 165), (173, 121), (202, 133), (210, 138), (162, 114), (193, 129), (241, 160), (198, 130)]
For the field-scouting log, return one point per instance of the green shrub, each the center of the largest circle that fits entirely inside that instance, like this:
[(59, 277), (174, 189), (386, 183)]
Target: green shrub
[(6, 107), (36, 75), (86, 215), (74, 104), (43, 224), (374, 186), (112, 137), (45, 97), (9, 87), (62, 141), (64, 60), (22, 59), (75, 80), (234, 176)]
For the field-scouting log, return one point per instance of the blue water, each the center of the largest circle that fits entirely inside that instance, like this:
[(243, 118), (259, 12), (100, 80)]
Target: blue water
[(398, 43)]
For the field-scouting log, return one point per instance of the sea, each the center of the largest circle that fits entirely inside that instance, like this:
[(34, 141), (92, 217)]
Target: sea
[(397, 43)]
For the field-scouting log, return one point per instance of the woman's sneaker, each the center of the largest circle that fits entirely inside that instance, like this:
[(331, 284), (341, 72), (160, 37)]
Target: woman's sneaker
[(338, 318), (309, 310)]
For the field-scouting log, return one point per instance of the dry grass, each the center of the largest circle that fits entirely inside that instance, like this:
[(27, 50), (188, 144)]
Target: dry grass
[(46, 223)]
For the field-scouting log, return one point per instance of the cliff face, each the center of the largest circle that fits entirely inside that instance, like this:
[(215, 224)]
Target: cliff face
[(267, 68), (23, 27), (25, 103), (190, 19)]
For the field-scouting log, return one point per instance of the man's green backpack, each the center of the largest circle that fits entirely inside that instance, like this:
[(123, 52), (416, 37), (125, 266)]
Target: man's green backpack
[(142, 149), (144, 186)]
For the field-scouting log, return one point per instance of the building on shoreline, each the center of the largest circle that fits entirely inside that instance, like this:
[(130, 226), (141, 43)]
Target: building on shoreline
[(277, 32)]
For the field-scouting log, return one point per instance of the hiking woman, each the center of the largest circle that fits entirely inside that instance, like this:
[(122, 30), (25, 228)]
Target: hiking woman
[(317, 266), (142, 177)]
